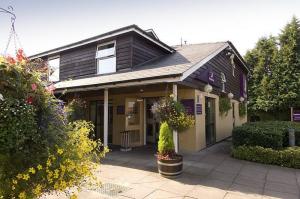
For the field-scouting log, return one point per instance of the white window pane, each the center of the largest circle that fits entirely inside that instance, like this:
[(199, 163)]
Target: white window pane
[(105, 51), (53, 69), (106, 65)]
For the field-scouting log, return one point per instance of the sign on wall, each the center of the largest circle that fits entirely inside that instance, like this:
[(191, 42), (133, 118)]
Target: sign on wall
[(189, 105), (199, 109), (120, 110), (296, 115)]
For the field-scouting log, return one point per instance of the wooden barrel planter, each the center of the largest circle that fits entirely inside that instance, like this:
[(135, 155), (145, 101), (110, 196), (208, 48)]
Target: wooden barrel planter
[(170, 168)]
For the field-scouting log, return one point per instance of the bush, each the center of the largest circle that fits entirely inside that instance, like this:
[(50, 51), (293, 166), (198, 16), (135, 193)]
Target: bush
[(76, 110), (288, 157), (265, 134), (39, 151), (242, 109), (165, 142)]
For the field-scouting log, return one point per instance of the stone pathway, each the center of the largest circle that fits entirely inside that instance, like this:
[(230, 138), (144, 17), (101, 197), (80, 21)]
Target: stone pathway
[(209, 174)]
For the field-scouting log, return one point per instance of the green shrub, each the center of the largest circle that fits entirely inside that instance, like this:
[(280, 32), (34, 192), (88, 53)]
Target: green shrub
[(76, 110), (242, 109), (265, 134), (165, 142), (287, 157), (224, 105)]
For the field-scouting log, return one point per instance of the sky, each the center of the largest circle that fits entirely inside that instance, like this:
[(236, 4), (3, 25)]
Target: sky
[(42, 25)]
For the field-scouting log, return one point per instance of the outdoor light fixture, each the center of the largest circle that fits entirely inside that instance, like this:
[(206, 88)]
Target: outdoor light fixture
[(208, 88), (230, 95), (242, 99)]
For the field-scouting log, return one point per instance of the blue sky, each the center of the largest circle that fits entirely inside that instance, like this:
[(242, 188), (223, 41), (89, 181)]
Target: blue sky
[(42, 25)]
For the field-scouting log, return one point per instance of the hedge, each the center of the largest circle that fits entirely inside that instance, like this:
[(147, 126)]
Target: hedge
[(265, 134), (288, 157)]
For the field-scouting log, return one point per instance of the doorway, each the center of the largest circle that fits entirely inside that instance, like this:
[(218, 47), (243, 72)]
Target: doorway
[(210, 127), (96, 116), (152, 124)]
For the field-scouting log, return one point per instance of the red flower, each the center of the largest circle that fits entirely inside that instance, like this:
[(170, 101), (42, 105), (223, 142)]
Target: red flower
[(29, 100), (50, 88), (10, 60), (20, 55), (33, 86)]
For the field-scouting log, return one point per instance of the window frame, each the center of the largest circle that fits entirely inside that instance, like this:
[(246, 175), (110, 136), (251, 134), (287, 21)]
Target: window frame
[(106, 57), (232, 64), (52, 58)]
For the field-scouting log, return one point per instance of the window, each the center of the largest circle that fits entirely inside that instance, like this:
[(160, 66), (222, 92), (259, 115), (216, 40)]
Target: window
[(106, 58), (53, 68), (223, 81), (245, 85)]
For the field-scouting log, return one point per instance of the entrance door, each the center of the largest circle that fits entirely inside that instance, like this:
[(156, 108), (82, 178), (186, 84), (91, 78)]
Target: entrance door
[(210, 128), (152, 125), (97, 118), (134, 120)]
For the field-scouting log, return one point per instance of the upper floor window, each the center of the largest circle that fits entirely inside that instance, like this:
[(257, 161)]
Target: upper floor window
[(53, 68), (223, 81), (106, 58)]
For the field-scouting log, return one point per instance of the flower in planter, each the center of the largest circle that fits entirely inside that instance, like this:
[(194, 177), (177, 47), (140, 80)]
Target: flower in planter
[(33, 86), (29, 100), (1, 97)]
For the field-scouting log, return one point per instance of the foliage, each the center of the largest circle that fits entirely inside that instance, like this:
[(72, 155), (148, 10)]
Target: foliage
[(165, 142), (76, 109), (275, 69), (288, 157), (242, 109), (224, 105), (170, 111), (34, 134), (265, 134)]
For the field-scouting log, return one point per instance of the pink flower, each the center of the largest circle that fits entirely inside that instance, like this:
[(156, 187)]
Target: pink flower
[(33, 86), (50, 88)]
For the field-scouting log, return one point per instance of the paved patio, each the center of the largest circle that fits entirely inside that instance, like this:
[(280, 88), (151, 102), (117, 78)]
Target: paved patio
[(209, 174)]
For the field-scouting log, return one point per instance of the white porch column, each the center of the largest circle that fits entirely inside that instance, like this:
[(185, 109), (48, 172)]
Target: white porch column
[(175, 133), (105, 129)]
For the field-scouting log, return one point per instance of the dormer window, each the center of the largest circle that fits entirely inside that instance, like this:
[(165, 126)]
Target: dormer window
[(53, 69), (223, 81), (106, 58)]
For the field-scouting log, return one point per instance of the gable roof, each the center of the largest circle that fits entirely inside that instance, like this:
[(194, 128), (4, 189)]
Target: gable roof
[(132, 28), (176, 67)]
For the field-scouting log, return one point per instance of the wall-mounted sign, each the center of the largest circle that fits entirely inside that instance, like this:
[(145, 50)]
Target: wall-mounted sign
[(296, 116), (120, 110), (189, 105), (199, 109)]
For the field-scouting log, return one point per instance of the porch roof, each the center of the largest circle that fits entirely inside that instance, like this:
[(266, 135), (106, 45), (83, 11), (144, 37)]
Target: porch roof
[(177, 64)]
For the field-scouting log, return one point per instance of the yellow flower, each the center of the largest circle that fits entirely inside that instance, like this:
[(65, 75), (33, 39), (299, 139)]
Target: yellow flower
[(22, 195), (26, 177), (48, 162), (15, 182), (37, 190), (13, 187), (73, 196), (39, 167), (19, 176), (60, 151), (2, 59), (32, 170)]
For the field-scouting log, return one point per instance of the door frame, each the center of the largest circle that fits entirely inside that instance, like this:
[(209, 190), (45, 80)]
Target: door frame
[(214, 121)]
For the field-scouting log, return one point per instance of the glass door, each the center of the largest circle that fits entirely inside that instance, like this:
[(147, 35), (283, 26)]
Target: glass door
[(152, 125), (210, 128), (134, 120), (97, 118)]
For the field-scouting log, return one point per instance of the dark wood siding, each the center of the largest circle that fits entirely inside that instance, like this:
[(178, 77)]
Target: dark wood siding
[(123, 52), (220, 63), (143, 50)]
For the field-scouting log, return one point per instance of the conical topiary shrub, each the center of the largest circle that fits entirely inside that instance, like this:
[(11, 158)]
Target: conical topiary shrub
[(165, 143)]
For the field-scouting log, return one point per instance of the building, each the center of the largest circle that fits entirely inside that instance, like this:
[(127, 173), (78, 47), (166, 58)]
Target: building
[(123, 72)]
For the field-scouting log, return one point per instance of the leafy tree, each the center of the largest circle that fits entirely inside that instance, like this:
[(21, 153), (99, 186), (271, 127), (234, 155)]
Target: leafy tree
[(274, 84)]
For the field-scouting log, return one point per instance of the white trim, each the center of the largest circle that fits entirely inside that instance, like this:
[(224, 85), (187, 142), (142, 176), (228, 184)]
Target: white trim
[(119, 85), (145, 122), (202, 62), (170, 174), (107, 57), (98, 39), (175, 133), (106, 43)]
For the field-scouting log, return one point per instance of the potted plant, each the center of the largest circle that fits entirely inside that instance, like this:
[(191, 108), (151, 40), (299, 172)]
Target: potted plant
[(172, 116)]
